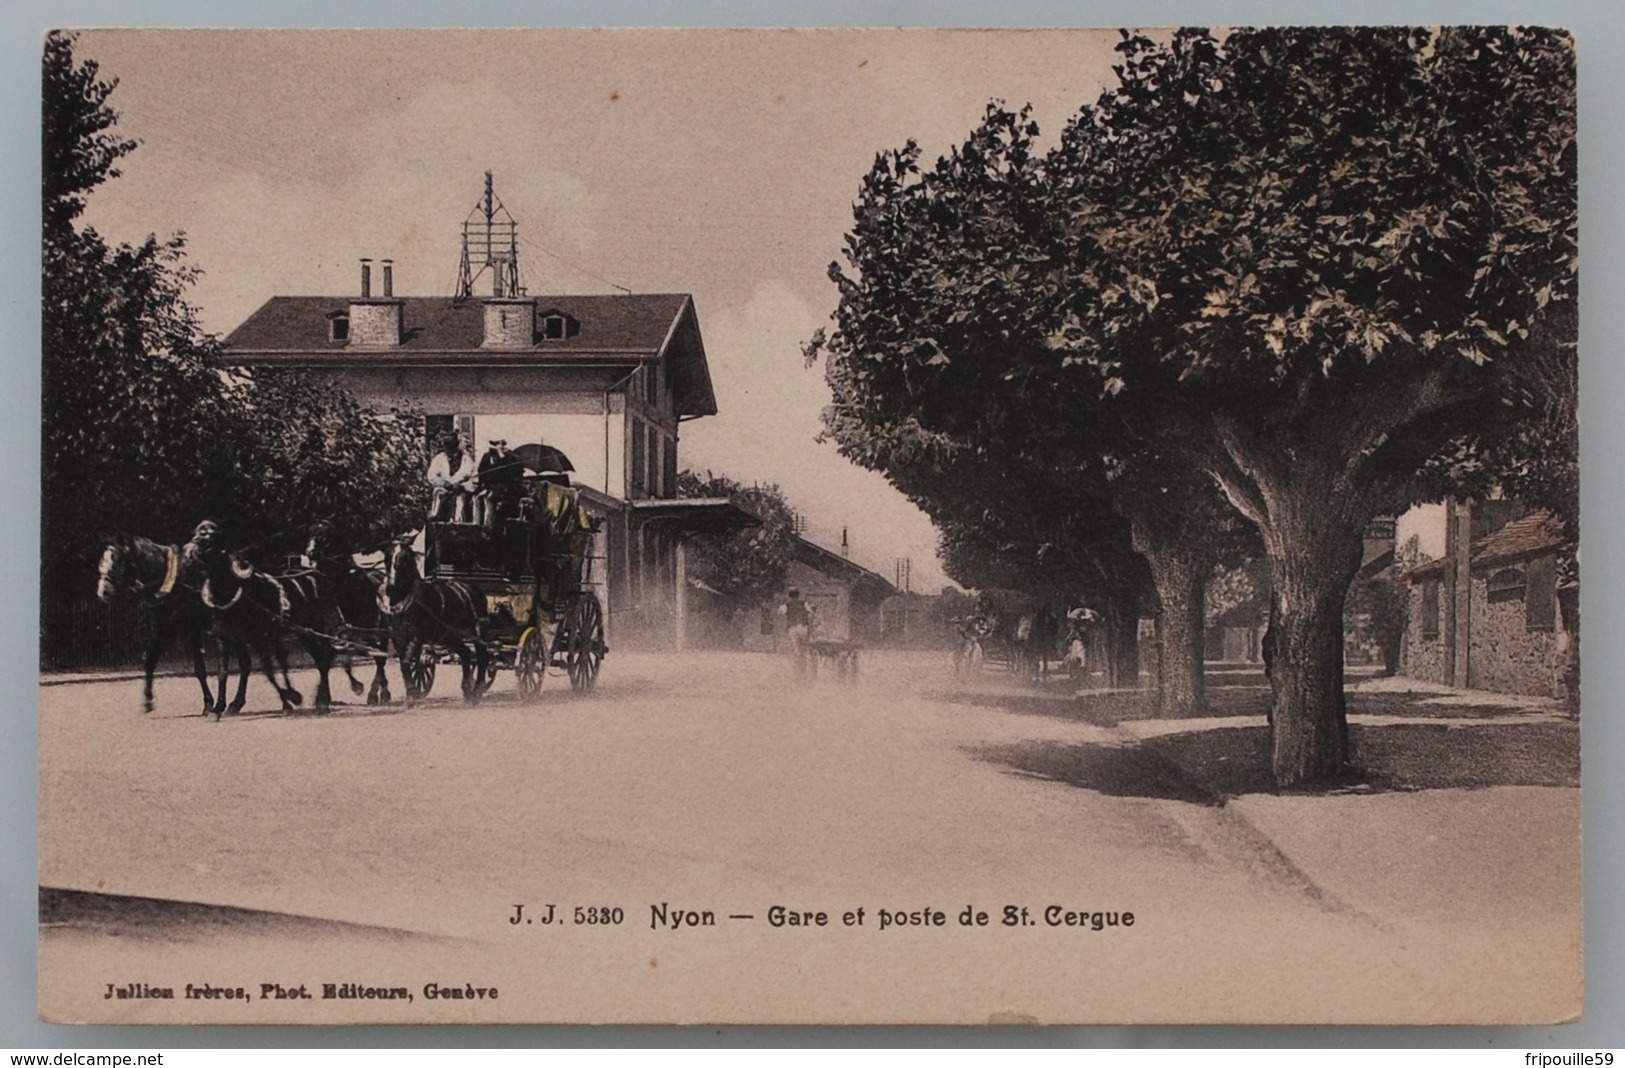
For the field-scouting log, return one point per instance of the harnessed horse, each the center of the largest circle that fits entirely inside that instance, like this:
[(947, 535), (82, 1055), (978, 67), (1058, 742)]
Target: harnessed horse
[(353, 613), (257, 610), (434, 612), (1024, 630), (166, 582)]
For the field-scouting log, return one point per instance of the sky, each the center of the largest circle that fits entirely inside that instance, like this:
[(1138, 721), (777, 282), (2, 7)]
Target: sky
[(721, 163)]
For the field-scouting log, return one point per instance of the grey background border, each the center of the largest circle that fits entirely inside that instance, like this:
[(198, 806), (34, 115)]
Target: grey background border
[(1600, 30)]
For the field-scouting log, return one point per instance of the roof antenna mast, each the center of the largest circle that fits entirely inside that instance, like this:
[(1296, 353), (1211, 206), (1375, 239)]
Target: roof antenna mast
[(490, 241)]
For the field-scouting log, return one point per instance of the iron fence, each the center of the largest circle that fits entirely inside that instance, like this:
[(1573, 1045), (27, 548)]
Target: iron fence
[(90, 634)]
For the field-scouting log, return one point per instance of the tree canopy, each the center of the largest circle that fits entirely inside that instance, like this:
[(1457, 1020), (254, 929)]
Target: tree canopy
[(1299, 265), (945, 377), (1303, 237), (79, 149)]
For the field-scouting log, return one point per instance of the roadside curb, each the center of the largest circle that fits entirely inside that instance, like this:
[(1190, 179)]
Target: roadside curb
[(1224, 828), (64, 678)]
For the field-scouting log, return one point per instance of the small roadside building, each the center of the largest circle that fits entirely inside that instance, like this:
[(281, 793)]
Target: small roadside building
[(911, 620), (1499, 611), (845, 599)]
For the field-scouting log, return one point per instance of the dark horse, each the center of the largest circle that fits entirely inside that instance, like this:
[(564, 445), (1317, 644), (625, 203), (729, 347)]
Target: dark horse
[(427, 613), (256, 610), (167, 582), (351, 613)]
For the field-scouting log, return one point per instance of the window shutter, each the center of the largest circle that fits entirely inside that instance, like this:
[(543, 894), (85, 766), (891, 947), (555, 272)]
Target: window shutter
[(436, 427), (1540, 593), (671, 467), (639, 459), (1506, 584)]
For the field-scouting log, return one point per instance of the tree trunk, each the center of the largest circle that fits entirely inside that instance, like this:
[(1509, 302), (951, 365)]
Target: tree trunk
[(1312, 512), (1122, 648), (1180, 575), (1312, 567)]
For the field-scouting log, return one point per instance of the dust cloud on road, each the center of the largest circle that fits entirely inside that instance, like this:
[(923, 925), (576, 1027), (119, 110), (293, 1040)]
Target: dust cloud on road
[(688, 790)]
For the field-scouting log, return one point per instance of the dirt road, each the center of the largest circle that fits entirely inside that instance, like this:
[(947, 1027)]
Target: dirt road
[(684, 793)]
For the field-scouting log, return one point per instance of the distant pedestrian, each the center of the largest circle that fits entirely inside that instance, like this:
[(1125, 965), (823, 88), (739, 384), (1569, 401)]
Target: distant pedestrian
[(797, 629), (1076, 658)]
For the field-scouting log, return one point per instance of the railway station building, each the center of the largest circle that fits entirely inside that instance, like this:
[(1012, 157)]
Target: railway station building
[(608, 380)]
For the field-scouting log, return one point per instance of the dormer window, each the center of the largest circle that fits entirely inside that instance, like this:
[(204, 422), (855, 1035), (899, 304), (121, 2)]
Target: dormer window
[(554, 325), (338, 326)]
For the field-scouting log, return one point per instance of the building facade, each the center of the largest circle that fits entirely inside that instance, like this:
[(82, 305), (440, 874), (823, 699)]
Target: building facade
[(607, 380)]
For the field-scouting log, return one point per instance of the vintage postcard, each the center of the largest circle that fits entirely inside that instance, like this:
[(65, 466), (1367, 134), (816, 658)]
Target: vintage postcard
[(810, 526)]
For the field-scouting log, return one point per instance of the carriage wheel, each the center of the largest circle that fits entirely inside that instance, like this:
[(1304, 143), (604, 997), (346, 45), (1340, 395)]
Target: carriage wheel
[(586, 649), (530, 663), (417, 668)]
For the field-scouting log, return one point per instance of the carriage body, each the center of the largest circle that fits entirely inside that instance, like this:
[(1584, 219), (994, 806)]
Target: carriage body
[(533, 565)]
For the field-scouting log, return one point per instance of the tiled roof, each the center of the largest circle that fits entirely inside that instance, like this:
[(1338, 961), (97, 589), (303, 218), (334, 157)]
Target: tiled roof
[(1533, 533), (630, 323), (296, 331), (1422, 572), (819, 558)]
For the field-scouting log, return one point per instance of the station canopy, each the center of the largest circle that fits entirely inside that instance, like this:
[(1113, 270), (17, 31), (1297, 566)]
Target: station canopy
[(695, 515)]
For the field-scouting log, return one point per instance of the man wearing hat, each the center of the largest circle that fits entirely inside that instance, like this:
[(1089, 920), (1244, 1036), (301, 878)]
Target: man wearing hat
[(797, 629), (451, 478), (191, 555), (501, 478)]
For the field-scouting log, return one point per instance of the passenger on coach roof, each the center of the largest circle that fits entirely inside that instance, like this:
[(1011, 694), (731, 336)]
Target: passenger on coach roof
[(451, 478)]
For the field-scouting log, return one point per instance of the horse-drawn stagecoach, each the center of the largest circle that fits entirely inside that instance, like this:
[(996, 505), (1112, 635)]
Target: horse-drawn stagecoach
[(514, 590)]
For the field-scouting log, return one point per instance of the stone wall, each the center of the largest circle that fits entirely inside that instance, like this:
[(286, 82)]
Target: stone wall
[(376, 323), (510, 323), (1419, 657), (1506, 656)]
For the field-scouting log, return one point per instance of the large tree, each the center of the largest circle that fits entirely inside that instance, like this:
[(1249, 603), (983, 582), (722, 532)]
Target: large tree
[(143, 432), (1318, 258), (79, 149), (942, 361), (1302, 263)]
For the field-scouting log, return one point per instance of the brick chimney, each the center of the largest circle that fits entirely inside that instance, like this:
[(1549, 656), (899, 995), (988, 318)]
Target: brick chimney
[(510, 322), (376, 322)]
